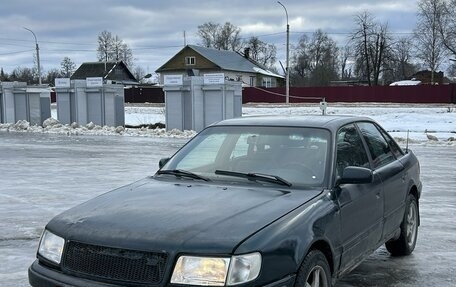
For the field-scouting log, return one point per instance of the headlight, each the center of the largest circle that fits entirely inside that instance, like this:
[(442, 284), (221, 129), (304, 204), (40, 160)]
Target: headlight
[(244, 268), (216, 271), (51, 246)]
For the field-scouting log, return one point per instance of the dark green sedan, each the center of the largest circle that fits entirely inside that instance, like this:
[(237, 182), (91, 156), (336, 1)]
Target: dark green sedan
[(253, 201)]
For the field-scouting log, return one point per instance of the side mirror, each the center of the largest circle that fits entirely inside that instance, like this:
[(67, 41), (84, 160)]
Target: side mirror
[(163, 161), (356, 175)]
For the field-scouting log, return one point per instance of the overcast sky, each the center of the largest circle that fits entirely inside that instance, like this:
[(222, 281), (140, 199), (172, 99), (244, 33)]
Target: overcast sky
[(155, 29)]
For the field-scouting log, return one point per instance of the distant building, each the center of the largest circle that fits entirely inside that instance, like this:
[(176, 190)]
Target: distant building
[(426, 76), (348, 83), (195, 60), (111, 72)]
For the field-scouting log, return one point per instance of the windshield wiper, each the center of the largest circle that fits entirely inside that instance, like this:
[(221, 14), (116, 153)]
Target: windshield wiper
[(181, 172), (256, 176)]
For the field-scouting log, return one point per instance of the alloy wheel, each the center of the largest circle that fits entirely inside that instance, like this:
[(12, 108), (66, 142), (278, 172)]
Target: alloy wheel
[(317, 277), (412, 222)]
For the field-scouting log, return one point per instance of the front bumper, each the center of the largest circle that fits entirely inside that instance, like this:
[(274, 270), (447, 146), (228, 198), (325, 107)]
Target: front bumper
[(41, 276)]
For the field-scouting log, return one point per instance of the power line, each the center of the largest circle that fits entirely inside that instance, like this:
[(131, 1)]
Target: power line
[(16, 45), (155, 47), (48, 42), (17, 52)]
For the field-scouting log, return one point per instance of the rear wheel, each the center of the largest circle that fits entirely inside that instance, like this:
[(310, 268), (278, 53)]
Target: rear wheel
[(406, 242), (314, 271)]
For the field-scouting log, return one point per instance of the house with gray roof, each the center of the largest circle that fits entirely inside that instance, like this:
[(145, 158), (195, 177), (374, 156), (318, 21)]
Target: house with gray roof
[(111, 72), (196, 61)]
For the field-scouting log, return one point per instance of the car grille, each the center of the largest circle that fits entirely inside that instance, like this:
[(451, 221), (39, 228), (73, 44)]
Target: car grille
[(113, 264)]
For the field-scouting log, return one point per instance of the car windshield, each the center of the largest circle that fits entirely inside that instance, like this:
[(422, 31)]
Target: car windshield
[(291, 156)]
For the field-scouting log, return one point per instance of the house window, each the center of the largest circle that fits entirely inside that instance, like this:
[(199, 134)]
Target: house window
[(252, 81), (190, 61), (267, 82)]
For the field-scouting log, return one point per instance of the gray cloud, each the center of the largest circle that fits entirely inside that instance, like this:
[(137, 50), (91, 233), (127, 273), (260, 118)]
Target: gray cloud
[(154, 29)]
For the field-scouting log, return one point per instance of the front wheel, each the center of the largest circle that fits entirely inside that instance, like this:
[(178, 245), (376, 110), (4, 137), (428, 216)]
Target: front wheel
[(314, 271), (406, 242)]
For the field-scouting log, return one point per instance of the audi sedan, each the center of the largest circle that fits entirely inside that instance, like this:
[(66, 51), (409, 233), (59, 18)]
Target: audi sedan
[(254, 201)]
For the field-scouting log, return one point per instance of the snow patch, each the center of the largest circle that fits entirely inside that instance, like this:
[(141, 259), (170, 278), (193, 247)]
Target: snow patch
[(406, 83), (53, 126), (51, 122)]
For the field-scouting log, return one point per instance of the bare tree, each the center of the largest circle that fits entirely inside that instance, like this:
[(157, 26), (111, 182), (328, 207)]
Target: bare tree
[(105, 43), (23, 74), (67, 67), (226, 37), (117, 45), (399, 65), (121, 52), (344, 55), (430, 44), (208, 32), (447, 26), (315, 61), (370, 43), (141, 75), (452, 71), (229, 37), (113, 48), (261, 52), (51, 75), (127, 56), (300, 66)]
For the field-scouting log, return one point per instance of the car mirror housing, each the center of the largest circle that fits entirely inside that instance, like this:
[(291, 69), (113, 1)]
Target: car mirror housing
[(163, 161), (356, 175)]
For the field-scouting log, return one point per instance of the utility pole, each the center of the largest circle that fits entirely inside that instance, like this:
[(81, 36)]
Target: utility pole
[(287, 76), (37, 55)]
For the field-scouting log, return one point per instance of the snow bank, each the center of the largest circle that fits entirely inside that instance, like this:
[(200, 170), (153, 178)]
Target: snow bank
[(53, 126)]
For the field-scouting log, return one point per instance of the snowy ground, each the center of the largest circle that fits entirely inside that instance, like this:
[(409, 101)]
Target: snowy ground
[(420, 120), (45, 171)]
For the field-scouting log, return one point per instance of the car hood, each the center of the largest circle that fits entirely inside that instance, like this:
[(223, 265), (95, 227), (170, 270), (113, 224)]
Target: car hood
[(185, 216)]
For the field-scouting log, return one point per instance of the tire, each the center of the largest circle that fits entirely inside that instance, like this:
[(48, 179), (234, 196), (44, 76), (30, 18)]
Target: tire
[(314, 271), (406, 242)]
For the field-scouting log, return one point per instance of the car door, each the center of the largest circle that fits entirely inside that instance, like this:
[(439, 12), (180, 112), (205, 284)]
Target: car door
[(361, 205), (391, 171)]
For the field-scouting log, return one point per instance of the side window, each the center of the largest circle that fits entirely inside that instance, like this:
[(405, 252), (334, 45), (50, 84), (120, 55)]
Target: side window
[(378, 147), (397, 151), (350, 149)]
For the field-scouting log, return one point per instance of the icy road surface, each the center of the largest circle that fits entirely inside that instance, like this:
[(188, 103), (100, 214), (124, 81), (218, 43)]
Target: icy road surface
[(44, 174)]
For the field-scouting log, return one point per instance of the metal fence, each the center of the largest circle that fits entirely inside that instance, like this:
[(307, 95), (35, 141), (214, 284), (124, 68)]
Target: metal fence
[(382, 94)]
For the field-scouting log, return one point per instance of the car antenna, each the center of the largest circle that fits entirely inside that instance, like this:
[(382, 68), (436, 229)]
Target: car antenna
[(407, 142)]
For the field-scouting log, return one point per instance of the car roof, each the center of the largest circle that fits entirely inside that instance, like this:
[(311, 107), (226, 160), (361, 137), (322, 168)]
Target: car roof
[(331, 122)]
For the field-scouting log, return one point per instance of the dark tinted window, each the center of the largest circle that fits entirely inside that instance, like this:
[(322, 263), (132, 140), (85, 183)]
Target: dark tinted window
[(397, 151), (378, 146), (350, 149)]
